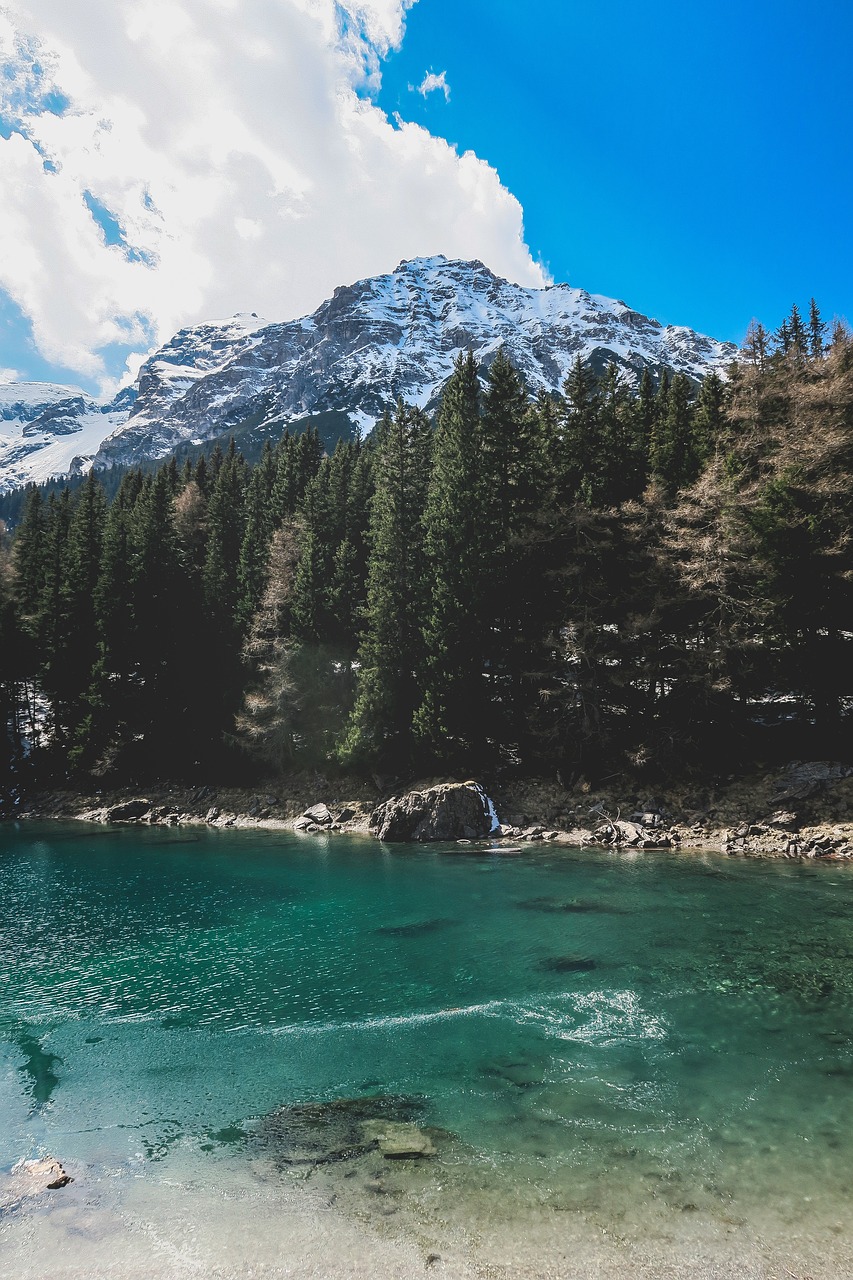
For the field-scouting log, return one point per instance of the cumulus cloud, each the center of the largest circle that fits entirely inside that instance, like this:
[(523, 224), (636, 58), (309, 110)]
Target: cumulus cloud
[(167, 161), (432, 83)]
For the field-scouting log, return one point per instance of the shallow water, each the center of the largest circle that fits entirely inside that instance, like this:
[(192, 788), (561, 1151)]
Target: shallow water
[(625, 1056)]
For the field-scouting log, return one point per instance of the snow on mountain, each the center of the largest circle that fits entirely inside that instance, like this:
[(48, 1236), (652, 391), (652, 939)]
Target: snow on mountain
[(372, 342), (47, 430)]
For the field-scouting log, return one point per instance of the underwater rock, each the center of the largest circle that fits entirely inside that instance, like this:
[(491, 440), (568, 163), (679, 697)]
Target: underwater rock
[(316, 1133), (398, 1141), (414, 930), (567, 964), (31, 1177)]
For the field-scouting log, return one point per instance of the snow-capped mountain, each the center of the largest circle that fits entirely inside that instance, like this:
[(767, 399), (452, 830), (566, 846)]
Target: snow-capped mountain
[(387, 337), (46, 430)]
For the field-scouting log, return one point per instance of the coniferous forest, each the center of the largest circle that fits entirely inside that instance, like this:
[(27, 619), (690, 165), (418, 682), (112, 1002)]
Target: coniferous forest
[(657, 581)]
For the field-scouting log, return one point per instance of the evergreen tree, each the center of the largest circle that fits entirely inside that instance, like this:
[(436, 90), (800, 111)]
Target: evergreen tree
[(78, 651), (450, 720), (29, 558), (256, 537), (645, 412), (817, 331), (391, 655), (672, 457), (50, 622), (709, 418), (797, 334), (578, 430)]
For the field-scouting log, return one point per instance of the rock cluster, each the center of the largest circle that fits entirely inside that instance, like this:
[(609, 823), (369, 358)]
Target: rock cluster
[(320, 818)]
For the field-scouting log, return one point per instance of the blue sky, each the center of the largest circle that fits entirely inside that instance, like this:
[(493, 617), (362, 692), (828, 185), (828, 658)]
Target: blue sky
[(694, 161)]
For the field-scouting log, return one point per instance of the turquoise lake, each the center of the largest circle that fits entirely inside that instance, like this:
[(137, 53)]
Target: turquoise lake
[(635, 1057)]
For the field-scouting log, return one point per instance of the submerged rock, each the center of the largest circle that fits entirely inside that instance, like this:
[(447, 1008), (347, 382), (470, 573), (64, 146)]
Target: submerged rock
[(32, 1177), (414, 930), (398, 1141), (448, 811), (316, 1133), (567, 964)]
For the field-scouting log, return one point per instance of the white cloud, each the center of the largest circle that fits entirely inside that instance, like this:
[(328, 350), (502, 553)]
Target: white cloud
[(431, 83), (233, 144)]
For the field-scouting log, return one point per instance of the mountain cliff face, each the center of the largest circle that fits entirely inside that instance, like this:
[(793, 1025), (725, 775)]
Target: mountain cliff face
[(371, 343)]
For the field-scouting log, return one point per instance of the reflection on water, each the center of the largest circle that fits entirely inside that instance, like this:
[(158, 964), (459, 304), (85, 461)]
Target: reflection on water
[(660, 1049)]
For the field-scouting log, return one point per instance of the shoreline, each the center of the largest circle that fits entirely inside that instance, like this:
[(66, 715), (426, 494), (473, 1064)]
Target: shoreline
[(802, 811), (365, 1223)]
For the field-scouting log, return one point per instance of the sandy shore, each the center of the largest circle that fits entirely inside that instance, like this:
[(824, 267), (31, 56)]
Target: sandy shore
[(189, 1222)]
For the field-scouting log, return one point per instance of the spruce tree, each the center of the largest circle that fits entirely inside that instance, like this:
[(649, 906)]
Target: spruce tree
[(817, 332), (449, 722), (391, 655), (254, 548), (672, 459), (80, 647)]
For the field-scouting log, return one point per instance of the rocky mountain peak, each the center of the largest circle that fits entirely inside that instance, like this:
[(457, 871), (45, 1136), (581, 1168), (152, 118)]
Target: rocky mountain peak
[(372, 342)]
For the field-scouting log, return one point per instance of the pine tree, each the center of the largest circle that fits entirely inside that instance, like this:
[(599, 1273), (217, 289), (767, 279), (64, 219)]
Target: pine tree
[(517, 505), (709, 418), (578, 429), (817, 331), (672, 459), (797, 334), (645, 412), (254, 548), (13, 671), (450, 719), (79, 650), (50, 622), (391, 655)]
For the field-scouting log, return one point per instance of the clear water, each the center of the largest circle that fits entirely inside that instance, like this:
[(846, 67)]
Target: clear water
[(654, 1048)]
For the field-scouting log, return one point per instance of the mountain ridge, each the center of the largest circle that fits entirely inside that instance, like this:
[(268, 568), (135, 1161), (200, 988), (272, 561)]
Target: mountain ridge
[(382, 338)]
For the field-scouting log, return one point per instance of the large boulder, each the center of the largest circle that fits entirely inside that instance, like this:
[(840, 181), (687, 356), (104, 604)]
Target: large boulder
[(448, 811), (130, 811)]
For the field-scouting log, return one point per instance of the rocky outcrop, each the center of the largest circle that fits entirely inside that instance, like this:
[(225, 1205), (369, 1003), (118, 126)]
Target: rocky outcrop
[(448, 811)]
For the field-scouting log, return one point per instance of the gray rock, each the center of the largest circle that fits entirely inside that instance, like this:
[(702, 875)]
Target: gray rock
[(130, 811), (319, 813), (398, 1141), (647, 818), (449, 811)]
